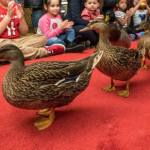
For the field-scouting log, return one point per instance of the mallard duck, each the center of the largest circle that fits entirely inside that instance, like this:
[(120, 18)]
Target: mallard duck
[(118, 35), (117, 62), (44, 85), (144, 41)]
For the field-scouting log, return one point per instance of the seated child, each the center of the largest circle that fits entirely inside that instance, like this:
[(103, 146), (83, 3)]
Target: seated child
[(139, 13), (91, 10), (12, 24), (123, 18), (58, 31)]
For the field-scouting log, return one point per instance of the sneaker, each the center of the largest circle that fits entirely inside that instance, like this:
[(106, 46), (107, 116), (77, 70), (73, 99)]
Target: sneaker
[(75, 48), (139, 34), (142, 33), (78, 39), (132, 37), (55, 49)]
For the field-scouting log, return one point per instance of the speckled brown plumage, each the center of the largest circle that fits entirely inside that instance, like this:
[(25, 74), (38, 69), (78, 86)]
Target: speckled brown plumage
[(44, 85), (145, 39), (36, 86), (118, 63)]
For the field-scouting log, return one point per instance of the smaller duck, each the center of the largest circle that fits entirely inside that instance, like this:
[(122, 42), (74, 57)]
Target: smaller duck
[(118, 35), (44, 85), (118, 63), (144, 41)]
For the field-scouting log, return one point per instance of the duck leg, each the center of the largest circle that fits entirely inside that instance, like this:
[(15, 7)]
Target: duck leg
[(124, 93), (43, 123), (44, 112), (110, 88), (143, 65)]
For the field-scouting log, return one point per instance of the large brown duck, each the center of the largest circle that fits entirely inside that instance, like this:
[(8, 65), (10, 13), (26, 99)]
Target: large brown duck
[(117, 62), (145, 41), (44, 85)]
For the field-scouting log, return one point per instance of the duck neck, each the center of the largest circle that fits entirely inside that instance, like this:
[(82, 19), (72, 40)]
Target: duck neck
[(17, 63), (104, 38)]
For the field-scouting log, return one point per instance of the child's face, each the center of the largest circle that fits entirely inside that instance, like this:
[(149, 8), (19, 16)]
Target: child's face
[(53, 8), (92, 4), (122, 4), (5, 2)]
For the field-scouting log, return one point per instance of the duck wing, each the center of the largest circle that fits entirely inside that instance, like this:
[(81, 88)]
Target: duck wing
[(53, 72)]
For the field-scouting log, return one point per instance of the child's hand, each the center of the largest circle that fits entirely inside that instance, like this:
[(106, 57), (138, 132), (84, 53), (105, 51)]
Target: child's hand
[(10, 11), (70, 24), (63, 24), (129, 13), (20, 12)]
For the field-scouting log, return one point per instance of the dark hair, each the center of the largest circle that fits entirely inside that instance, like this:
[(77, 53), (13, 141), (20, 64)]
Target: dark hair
[(99, 1), (48, 2)]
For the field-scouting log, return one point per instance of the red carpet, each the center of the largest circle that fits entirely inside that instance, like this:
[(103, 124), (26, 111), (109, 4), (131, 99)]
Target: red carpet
[(95, 120)]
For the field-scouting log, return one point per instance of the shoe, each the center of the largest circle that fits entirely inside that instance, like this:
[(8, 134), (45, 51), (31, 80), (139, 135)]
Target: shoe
[(55, 49), (142, 33), (35, 30), (132, 37), (139, 34), (77, 39), (75, 48)]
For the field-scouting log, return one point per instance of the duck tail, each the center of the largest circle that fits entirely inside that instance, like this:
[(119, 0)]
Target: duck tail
[(140, 52)]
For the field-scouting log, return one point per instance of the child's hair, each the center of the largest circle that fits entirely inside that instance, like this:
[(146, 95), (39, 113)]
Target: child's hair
[(48, 2), (99, 1)]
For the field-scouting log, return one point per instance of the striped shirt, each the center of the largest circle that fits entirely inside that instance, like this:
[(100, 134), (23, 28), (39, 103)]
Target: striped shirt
[(120, 14)]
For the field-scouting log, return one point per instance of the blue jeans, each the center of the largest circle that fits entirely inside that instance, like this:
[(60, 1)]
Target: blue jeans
[(69, 35), (36, 15)]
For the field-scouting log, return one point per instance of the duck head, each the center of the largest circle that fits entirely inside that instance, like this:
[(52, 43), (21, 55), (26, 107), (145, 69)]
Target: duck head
[(98, 24), (11, 53), (110, 16), (145, 25)]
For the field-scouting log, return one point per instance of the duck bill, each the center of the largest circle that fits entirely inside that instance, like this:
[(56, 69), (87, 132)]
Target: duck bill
[(85, 29), (107, 19)]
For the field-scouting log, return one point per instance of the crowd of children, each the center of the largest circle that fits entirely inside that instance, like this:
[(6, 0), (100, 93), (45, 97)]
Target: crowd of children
[(56, 36), (138, 13)]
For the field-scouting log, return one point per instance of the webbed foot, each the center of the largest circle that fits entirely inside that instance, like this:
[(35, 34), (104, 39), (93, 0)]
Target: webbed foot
[(124, 93), (143, 67), (44, 112), (109, 88), (44, 123)]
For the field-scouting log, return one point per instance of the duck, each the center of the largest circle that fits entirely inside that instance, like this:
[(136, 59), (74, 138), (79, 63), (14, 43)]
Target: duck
[(118, 63), (44, 85), (144, 41), (118, 35)]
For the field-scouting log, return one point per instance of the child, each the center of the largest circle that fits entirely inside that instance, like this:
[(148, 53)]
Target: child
[(58, 31), (91, 10), (123, 18), (12, 24), (139, 13)]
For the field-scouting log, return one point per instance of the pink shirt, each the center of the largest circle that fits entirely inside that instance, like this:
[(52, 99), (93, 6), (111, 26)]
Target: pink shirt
[(49, 26), (89, 15)]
